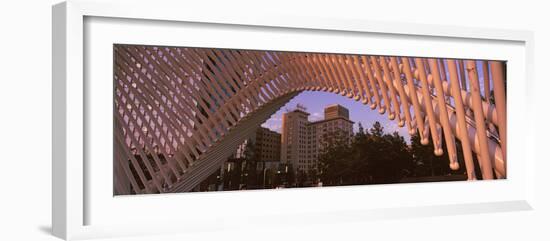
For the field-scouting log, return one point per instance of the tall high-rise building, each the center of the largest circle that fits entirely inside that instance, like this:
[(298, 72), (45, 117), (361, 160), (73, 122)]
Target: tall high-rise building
[(303, 141), (293, 137)]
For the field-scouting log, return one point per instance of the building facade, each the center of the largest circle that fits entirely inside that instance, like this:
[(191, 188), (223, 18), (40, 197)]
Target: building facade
[(268, 145), (336, 111), (294, 137), (303, 141)]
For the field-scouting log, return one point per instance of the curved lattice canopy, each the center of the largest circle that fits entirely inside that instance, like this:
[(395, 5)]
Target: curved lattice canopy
[(180, 111)]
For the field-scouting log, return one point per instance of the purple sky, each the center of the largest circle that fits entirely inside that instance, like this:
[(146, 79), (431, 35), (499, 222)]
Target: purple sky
[(316, 101)]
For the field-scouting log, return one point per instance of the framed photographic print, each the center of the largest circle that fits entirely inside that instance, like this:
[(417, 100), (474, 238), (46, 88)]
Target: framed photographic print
[(167, 120)]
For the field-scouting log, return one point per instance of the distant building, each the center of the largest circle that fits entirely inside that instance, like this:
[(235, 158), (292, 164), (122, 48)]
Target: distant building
[(268, 145), (336, 111), (303, 141), (294, 137)]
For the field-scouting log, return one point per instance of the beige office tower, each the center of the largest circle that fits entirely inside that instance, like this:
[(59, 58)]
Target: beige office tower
[(303, 141), (293, 137)]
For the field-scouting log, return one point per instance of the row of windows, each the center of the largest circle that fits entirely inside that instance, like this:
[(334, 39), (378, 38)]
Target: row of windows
[(306, 167), (269, 145)]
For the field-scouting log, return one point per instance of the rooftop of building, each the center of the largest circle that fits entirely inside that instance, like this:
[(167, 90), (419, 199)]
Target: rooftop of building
[(333, 105), (297, 110), (264, 129), (331, 119)]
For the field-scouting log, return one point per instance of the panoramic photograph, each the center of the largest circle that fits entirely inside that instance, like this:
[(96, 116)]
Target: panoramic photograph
[(190, 119)]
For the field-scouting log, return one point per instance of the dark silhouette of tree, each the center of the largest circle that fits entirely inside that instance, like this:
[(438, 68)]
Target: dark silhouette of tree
[(426, 163), (377, 129), (369, 157), (334, 161), (312, 176), (251, 157), (372, 157), (288, 174), (301, 178), (361, 130)]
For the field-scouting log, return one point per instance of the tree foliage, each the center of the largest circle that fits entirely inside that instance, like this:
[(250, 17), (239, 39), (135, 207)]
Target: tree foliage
[(372, 157), (375, 157)]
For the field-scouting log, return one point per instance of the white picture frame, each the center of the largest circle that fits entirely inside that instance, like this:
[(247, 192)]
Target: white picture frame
[(74, 198)]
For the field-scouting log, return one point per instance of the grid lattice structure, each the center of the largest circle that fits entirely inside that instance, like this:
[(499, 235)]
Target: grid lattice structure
[(180, 111)]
